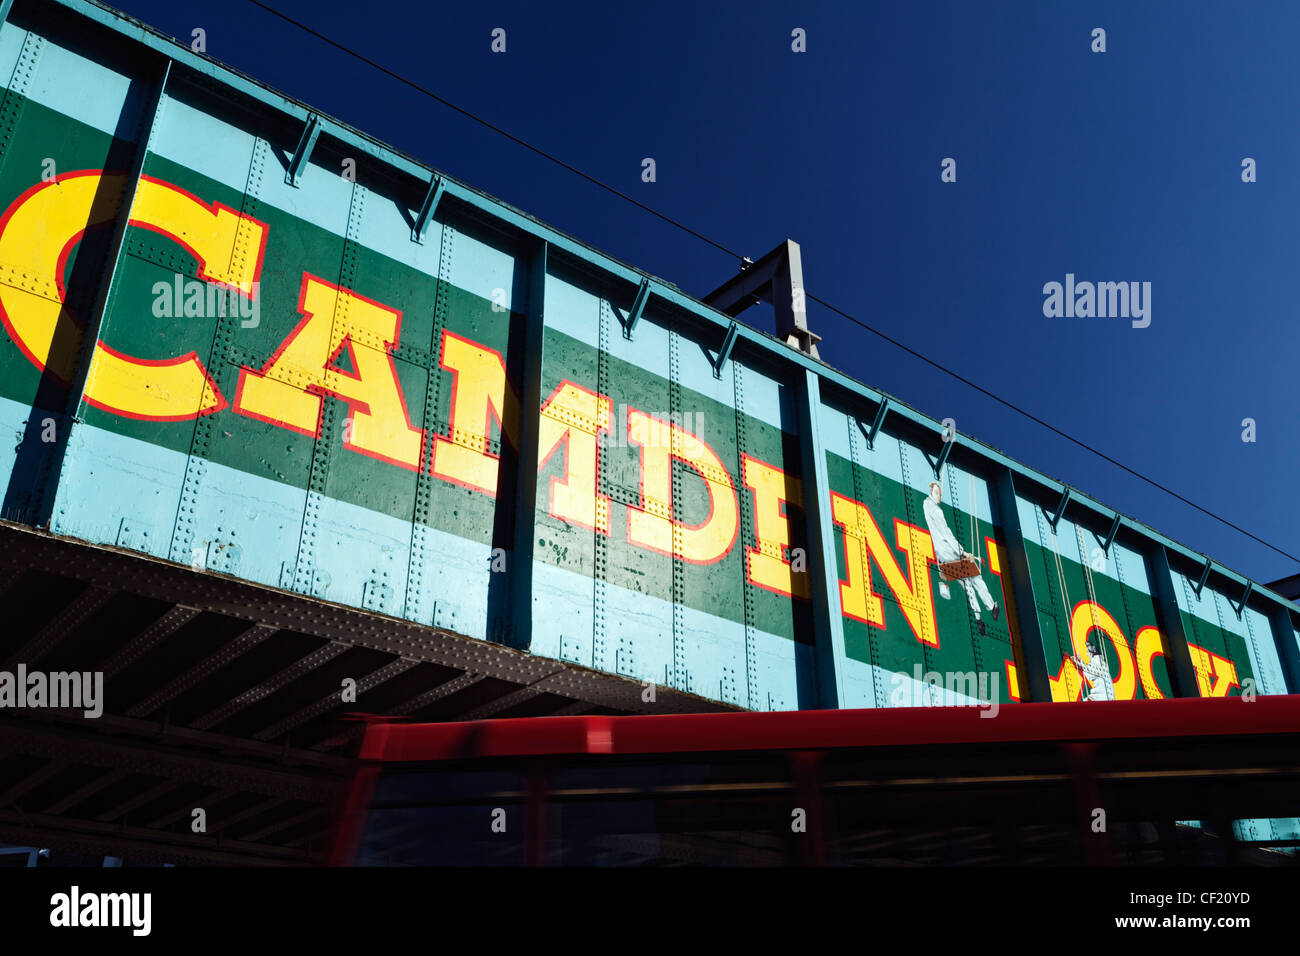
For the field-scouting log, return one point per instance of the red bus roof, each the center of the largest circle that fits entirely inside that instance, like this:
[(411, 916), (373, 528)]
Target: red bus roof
[(830, 729)]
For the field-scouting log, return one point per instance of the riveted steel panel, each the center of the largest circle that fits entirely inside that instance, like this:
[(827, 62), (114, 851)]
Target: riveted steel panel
[(269, 380)]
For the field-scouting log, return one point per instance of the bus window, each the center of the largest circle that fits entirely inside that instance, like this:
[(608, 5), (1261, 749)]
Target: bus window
[(699, 810), (448, 815), (949, 807)]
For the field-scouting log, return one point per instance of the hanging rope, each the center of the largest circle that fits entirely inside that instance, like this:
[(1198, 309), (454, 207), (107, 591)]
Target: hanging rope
[(1092, 596), (974, 521), (1065, 592)]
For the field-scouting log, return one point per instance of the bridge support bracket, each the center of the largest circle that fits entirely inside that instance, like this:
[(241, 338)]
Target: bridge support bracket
[(870, 433), (1110, 535), (942, 460), (638, 309), (1205, 576), (1245, 596), (1055, 517), (437, 185), (724, 353), (306, 143)]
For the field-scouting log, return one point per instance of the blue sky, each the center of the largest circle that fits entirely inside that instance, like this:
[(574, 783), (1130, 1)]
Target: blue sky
[(1115, 166)]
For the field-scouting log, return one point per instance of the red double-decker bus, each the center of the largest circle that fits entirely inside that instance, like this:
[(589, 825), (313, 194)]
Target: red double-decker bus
[(1198, 782)]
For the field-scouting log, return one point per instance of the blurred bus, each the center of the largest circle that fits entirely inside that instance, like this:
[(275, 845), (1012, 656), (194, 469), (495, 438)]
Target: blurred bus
[(1173, 782)]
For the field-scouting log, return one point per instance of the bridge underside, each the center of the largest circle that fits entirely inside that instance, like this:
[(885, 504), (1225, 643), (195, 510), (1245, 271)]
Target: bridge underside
[(227, 697)]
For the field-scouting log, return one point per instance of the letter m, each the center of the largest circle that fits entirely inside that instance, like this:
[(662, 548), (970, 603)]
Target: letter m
[(1111, 297), (117, 909), (966, 684)]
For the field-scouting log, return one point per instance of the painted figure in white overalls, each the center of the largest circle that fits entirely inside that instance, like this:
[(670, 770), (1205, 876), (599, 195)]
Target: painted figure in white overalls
[(1097, 674), (946, 548)]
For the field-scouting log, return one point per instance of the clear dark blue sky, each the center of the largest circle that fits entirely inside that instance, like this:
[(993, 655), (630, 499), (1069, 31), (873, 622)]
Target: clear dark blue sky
[(1117, 166)]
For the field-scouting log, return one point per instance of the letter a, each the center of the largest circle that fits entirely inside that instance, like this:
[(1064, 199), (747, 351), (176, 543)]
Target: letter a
[(288, 390)]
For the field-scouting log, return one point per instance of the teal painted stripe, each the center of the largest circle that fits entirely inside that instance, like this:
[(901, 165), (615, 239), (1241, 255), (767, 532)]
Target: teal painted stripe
[(125, 492), (81, 89)]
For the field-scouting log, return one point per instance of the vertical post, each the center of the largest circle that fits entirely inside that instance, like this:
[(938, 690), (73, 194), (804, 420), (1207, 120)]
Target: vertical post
[(828, 625), (1082, 761), (535, 815), (1288, 650), (530, 403), (1170, 620), (806, 770), (1034, 684), (789, 302)]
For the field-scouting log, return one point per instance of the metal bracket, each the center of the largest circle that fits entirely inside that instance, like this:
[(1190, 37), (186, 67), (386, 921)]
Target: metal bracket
[(775, 278), (1250, 586), (306, 143), (1205, 575), (943, 455), (870, 433), (1110, 535), (638, 307), (1060, 509), (436, 187), (1283, 631), (724, 353)]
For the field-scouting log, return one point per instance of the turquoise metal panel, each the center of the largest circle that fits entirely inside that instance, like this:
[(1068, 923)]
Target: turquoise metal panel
[(828, 624), (1033, 685), (1265, 663), (1171, 623), (280, 104), (1286, 639), (122, 100), (524, 605), (231, 493)]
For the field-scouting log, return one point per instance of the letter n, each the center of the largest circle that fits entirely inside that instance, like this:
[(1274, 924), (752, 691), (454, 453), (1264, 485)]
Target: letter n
[(863, 542)]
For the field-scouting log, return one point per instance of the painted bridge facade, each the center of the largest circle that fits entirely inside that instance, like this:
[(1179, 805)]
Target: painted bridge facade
[(244, 338)]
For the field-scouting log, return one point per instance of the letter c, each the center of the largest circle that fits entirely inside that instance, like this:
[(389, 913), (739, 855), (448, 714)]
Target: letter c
[(37, 235)]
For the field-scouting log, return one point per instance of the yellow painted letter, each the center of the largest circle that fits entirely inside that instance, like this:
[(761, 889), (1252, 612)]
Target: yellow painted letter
[(1214, 674), (653, 525), (864, 542), (39, 231), (575, 416), (766, 565), (288, 390), (479, 396)]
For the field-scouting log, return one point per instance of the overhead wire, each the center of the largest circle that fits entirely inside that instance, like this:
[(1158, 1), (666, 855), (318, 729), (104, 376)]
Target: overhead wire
[(809, 296)]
